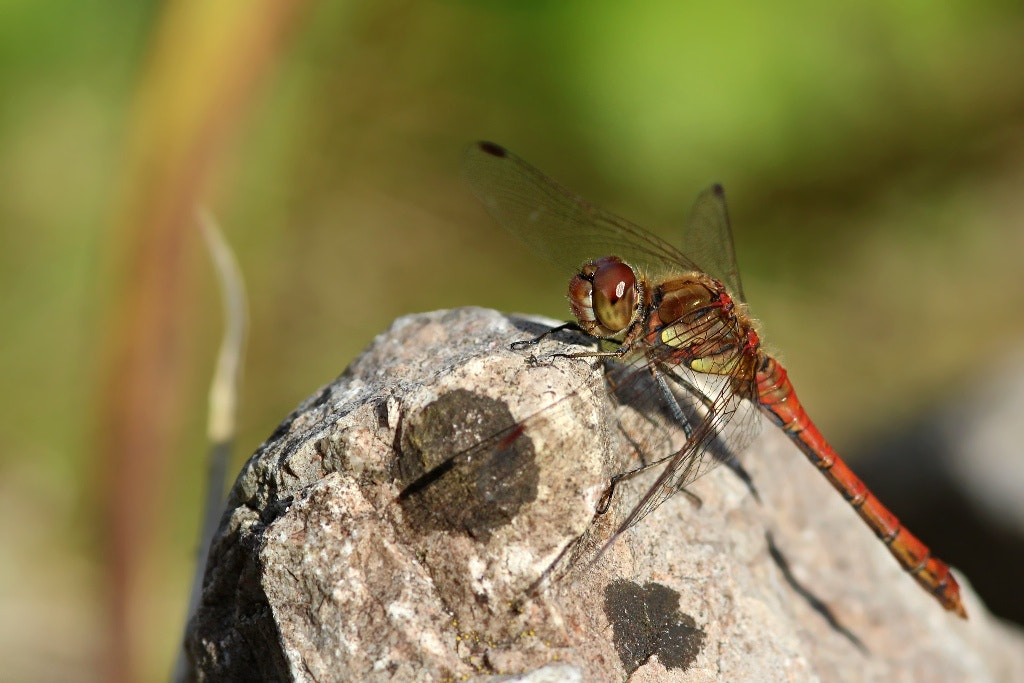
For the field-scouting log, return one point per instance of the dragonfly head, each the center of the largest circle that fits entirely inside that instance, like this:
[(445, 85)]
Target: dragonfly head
[(605, 297)]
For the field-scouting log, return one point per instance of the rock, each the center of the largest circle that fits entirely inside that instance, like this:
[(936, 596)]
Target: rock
[(432, 515)]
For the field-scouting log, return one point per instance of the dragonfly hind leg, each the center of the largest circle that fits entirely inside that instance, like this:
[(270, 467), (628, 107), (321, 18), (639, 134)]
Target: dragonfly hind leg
[(680, 417), (729, 459), (609, 493)]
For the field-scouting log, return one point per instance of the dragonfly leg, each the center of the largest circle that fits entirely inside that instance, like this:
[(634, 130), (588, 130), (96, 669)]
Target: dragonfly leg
[(680, 418), (673, 403), (589, 354), (727, 457), (524, 343), (606, 499), (619, 351), (731, 461), (708, 404)]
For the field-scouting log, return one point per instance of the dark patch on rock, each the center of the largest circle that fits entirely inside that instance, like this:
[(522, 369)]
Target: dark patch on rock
[(646, 621), (465, 466)]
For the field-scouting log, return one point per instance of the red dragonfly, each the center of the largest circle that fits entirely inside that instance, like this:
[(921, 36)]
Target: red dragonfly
[(681, 320)]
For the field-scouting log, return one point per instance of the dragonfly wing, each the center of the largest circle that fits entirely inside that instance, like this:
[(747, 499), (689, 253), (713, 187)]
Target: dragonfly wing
[(702, 452), (559, 225), (711, 409), (707, 239)]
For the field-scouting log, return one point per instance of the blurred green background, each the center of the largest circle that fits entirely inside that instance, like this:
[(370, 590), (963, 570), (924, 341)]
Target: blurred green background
[(873, 155)]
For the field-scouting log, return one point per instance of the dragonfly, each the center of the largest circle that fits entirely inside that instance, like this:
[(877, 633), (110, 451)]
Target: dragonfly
[(681, 321)]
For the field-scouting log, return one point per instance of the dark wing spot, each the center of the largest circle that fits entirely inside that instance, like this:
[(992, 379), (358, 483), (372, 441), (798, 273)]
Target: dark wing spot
[(493, 149)]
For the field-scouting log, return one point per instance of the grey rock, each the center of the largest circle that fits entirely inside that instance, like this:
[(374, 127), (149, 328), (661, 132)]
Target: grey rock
[(484, 568)]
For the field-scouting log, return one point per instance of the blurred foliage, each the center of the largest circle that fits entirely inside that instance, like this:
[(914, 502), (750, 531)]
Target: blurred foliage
[(872, 153)]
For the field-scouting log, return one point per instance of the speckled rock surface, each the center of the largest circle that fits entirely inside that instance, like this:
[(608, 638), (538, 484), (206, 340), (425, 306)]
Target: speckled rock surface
[(431, 516)]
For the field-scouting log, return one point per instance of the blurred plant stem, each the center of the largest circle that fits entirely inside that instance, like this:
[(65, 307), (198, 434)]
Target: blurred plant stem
[(206, 63), (225, 389)]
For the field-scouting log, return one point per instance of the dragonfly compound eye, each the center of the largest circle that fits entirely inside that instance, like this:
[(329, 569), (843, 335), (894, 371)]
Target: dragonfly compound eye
[(614, 294)]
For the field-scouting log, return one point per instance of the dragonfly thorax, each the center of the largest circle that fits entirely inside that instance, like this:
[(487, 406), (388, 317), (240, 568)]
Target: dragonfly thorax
[(606, 297), (693, 320)]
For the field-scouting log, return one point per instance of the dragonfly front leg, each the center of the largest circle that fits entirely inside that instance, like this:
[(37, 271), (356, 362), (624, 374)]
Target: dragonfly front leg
[(619, 352), (520, 345)]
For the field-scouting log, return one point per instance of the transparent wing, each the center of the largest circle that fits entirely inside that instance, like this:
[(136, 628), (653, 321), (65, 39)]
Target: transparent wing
[(707, 239), (717, 421), (557, 224)]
